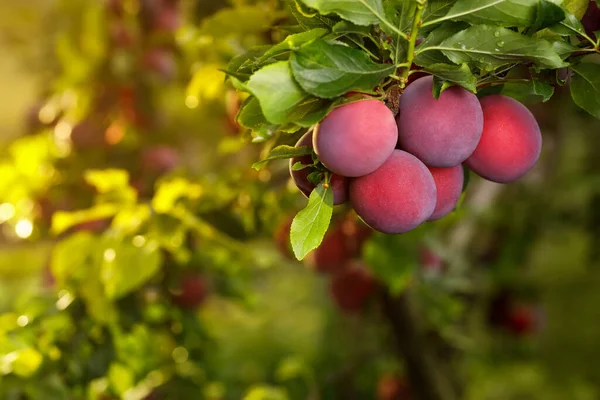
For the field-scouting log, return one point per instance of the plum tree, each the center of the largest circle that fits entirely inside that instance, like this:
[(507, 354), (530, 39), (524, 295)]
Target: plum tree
[(511, 142), (591, 19), (443, 132), (338, 183), (351, 287), (449, 184), (397, 197), (192, 291), (333, 253), (355, 139)]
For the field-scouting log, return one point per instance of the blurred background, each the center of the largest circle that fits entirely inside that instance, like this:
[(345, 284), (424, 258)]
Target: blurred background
[(141, 257)]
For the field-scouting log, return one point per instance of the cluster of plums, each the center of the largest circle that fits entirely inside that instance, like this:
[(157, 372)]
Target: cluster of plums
[(400, 172), (351, 284)]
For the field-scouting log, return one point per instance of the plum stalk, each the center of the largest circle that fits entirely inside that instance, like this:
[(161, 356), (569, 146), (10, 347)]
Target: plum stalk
[(412, 39)]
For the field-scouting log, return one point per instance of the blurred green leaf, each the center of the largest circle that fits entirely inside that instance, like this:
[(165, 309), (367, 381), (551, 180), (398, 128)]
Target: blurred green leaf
[(243, 20), (121, 378), (170, 192), (126, 267), (63, 220), (290, 368), (22, 362), (394, 259), (266, 393), (71, 256)]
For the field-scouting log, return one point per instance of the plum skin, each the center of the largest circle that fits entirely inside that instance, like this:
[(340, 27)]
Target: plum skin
[(356, 138), (441, 133), (339, 184), (511, 142), (397, 197), (449, 184)]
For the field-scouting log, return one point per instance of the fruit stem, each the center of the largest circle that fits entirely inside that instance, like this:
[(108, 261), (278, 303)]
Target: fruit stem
[(412, 39)]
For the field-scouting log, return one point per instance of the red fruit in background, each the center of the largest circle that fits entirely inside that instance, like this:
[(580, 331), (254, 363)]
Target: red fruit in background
[(430, 260), (161, 63), (168, 19), (397, 197), (351, 287), (522, 320), (120, 35), (392, 387), (192, 291), (441, 133), (88, 134), (591, 19), (282, 236), (339, 184), (356, 138), (511, 142), (333, 253), (449, 184), (159, 160), (356, 233), (232, 107)]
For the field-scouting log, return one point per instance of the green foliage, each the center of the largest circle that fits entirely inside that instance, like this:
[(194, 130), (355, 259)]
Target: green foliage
[(585, 87), (310, 225)]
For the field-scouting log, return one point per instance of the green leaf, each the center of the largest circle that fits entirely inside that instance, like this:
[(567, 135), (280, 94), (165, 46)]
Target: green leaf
[(23, 362), (107, 180), (330, 70), (277, 92), (308, 20), (569, 26), (310, 225), (577, 7), (290, 368), (394, 258), (251, 116), (293, 42), (400, 13), (242, 20), (169, 193), (460, 75), (490, 47), (360, 12), (64, 220), (530, 91), (443, 32), (245, 64), (263, 392), (494, 12), (436, 8), (126, 267), (344, 27), (547, 14), (70, 257), (585, 87), (114, 183), (283, 153), (121, 378)]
